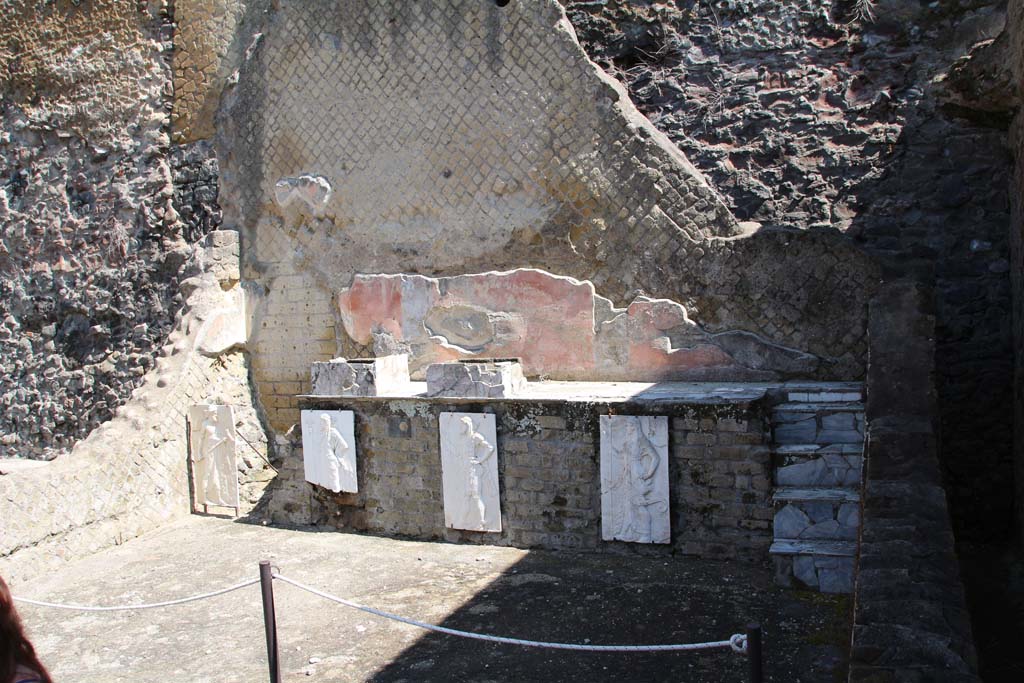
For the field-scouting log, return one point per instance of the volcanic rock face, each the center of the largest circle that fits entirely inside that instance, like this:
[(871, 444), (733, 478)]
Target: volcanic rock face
[(812, 114), (92, 243)]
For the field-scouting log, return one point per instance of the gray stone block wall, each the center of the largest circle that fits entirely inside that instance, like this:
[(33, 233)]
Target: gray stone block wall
[(549, 471)]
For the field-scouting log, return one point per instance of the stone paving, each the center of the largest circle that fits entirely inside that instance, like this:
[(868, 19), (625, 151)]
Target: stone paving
[(528, 594)]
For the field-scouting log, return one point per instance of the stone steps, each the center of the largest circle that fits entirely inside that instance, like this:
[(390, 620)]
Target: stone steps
[(826, 566), (817, 462)]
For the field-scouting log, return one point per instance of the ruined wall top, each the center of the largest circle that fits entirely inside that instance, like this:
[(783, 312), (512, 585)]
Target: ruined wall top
[(430, 136)]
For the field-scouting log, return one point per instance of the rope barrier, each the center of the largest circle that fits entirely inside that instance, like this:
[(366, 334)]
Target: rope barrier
[(122, 608), (737, 642), (258, 454)]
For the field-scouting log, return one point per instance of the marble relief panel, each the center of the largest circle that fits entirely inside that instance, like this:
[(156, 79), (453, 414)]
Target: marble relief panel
[(329, 449), (469, 471), (634, 479)]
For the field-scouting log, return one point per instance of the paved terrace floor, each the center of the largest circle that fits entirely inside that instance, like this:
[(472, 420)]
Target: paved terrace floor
[(545, 595)]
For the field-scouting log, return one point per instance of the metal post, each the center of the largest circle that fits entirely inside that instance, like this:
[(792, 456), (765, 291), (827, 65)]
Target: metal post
[(754, 653), (269, 620)]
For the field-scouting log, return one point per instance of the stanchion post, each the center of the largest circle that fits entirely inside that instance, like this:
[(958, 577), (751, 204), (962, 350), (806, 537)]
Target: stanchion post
[(755, 656), (270, 620)]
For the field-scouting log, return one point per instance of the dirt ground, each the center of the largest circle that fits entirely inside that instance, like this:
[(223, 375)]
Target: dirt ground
[(541, 595)]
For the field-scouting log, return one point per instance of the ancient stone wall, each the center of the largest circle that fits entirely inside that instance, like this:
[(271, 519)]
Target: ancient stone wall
[(1015, 31), (451, 138), (548, 464), (131, 474), (92, 243), (813, 114), (910, 614)]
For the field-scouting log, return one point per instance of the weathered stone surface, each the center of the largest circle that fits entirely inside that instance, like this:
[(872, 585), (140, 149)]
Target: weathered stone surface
[(130, 475), (361, 376), (906, 170), (813, 465), (559, 328), (813, 423), (310, 191), (476, 379), (634, 479), (469, 471), (209, 44), (825, 566), (92, 242), (906, 544), (528, 156)]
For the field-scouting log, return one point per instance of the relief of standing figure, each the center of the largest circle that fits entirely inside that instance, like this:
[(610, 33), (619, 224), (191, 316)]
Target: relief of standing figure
[(634, 485), (336, 446), (473, 444), (216, 451)]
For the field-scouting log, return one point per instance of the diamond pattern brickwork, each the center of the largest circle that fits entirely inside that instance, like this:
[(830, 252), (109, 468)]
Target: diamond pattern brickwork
[(460, 137)]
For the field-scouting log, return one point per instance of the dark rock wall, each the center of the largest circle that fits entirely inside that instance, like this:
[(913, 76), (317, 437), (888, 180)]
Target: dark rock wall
[(910, 614), (817, 115), (1015, 28)]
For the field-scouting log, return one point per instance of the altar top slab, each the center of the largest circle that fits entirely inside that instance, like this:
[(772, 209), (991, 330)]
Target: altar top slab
[(624, 392)]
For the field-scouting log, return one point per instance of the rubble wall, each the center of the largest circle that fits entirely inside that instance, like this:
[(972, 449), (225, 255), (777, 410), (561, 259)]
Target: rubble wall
[(819, 115), (131, 474), (92, 244)]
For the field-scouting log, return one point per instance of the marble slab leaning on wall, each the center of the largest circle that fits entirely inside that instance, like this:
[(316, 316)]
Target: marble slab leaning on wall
[(329, 449), (634, 479), (212, 442), (469, 471)]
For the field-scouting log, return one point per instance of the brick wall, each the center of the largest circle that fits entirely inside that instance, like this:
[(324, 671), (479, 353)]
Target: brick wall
[(549, 469)]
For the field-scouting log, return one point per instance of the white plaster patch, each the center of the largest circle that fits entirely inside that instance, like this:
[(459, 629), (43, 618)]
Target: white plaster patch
[(314, 191), (212, 442), (469, 471), (329, 449), (634, 479)]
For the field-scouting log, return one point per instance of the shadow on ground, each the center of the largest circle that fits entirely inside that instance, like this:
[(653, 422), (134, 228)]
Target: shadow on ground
[(540, 595), (564, 597)]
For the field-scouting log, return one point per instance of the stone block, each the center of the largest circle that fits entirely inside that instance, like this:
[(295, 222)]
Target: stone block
[(816, 519), (478, 378), (361, 376)]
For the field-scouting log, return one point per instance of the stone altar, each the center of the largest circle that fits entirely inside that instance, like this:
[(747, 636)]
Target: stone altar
[(476, 378), (360, 376)]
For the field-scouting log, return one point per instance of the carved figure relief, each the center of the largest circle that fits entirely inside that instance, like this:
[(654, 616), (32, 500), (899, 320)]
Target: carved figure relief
[(329, 449), (212, 444), (469, 471), (634, 479)]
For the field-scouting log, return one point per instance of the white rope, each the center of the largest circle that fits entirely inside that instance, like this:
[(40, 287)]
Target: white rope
[(737, 643), (121, 608)]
